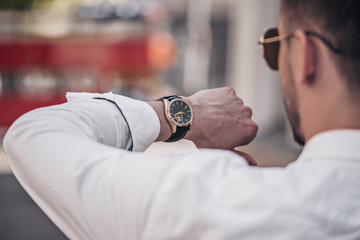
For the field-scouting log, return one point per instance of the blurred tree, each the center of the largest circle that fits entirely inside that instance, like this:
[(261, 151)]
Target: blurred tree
[(20, 5)]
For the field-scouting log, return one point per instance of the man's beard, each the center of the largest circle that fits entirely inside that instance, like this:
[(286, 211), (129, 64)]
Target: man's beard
[(291, 106), (294, 120)]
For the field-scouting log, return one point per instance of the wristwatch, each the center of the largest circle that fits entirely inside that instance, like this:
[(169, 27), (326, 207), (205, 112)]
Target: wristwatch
[(179, 114)]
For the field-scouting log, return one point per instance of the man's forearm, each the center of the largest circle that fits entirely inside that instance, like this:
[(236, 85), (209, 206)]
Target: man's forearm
[(59, 156), (220, 120)]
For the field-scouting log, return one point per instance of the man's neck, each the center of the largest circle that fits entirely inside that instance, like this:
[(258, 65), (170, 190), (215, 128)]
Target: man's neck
[(330, 113)]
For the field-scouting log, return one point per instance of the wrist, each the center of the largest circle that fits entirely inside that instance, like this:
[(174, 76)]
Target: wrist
[(165, 129), (175, 128)]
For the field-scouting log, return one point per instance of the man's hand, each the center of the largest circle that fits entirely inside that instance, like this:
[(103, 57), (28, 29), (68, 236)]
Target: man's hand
[(221, 120)]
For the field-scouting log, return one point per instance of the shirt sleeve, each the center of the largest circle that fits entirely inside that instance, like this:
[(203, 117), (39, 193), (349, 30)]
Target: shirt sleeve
[(133, 118), (72, 161)]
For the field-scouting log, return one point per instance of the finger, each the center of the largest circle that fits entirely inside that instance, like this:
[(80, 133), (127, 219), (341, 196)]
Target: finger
[(239, 100), (251, 161), (247, 112)]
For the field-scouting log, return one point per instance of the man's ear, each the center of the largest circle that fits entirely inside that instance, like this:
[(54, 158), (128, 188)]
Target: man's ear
[(303, 58)]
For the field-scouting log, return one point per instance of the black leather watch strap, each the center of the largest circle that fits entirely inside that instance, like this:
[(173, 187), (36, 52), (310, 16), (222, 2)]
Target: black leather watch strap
[(169, 98), (179, 134)]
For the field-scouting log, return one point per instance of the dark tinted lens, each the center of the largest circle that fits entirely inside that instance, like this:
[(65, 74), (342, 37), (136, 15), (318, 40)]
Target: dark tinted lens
[(271, 50)]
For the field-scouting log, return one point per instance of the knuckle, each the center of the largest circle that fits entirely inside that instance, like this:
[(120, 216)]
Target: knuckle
[(249, 133), (229, 90), (252, 129), (248, 111), (240, 101)]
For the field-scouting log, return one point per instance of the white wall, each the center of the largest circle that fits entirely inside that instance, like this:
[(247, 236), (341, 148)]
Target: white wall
[(254, 82)]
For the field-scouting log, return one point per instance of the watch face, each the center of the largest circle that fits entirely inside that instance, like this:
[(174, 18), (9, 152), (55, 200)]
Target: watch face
[(180, 112)]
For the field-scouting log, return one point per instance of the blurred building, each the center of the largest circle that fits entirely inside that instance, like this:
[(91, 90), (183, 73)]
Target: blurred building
[(137, 48)]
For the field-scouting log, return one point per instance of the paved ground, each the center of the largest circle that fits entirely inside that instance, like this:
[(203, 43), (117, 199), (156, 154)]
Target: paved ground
[(21, 218), (4, 166)]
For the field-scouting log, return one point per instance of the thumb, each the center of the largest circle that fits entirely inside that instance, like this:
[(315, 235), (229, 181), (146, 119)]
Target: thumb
[(251, 161)]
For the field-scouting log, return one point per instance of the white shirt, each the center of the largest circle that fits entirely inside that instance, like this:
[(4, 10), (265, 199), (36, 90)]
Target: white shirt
[(70, 159)]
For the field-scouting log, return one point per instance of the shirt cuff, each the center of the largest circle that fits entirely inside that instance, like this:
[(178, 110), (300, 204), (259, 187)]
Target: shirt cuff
[(143, 121)]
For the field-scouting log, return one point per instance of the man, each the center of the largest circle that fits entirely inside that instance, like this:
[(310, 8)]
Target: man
[(73, 161)]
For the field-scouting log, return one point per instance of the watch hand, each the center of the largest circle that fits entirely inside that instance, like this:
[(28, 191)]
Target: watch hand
[(184, 108)]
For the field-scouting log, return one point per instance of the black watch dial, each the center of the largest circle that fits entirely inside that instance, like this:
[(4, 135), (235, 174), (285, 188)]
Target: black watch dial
[(180, 112)]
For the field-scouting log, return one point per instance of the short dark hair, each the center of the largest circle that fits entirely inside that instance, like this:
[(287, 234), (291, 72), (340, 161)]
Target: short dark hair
[(340, 23)]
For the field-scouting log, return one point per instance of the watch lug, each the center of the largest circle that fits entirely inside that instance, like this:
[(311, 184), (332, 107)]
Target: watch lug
[(167, 113), (173, 127)]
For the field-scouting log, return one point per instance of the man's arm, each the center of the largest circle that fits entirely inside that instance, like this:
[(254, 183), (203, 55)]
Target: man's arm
[(69, 158), (221, 120)]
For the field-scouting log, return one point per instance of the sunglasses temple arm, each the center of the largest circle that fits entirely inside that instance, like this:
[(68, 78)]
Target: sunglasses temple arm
[(274, 39), (327, 42)]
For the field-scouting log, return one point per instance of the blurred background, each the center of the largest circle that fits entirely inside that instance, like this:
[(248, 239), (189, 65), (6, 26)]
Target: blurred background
[(140, 48)]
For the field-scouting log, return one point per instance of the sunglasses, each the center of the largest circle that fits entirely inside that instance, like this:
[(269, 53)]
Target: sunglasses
[(270, 45)]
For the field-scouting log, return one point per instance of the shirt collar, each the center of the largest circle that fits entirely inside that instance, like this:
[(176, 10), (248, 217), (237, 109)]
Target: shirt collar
[(334, 143)]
